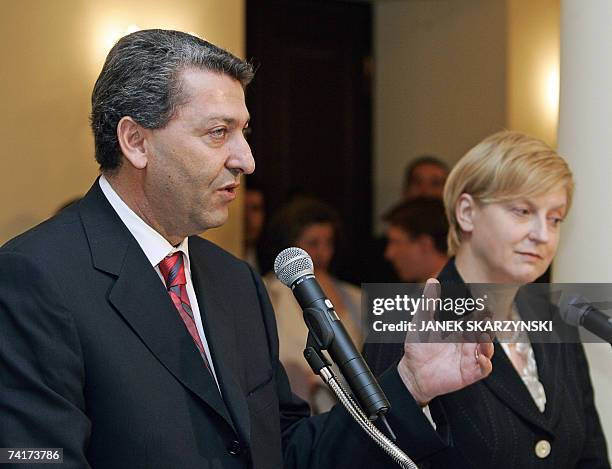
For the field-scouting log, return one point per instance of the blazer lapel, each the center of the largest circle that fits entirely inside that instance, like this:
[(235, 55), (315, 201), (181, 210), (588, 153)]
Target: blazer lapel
[(139, 296), (550, 375), (504, 381), (508, 386), (221, 333), (535, 306)]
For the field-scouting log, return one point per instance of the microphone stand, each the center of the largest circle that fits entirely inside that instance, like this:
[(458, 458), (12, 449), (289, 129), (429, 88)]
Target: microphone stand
[(322, 367)]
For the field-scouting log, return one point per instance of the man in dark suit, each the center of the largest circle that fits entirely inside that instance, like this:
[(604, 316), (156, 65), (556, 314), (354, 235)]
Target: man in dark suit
[(130, 342)]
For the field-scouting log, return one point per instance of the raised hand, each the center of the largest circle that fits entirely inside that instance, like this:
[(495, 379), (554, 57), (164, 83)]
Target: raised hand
[(439, 367)]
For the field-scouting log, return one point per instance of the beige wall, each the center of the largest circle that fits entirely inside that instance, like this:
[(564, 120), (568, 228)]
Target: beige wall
[(448, 73), (440, 83), (53, 52)]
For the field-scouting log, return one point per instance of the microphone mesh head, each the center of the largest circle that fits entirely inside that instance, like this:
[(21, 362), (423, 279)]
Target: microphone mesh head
[(291, 264)]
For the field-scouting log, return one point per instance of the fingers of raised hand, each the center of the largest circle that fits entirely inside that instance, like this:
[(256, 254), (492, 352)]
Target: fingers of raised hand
[(479, 355), (426, 312)]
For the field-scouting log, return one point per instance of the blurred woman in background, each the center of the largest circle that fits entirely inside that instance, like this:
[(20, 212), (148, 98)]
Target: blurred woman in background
[(313, 226)]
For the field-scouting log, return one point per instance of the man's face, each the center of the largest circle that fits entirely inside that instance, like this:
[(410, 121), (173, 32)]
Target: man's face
[(426, 180), (195, 161), (407, 255)]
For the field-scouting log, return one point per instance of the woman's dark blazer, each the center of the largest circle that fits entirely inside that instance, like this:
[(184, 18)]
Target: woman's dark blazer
[(495, 423)]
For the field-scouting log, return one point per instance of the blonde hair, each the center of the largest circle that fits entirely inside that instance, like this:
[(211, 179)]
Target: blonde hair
[(504, 166)]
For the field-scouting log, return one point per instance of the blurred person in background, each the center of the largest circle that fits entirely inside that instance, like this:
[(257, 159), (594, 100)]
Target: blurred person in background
[(416, 239), (505, 201), (417, 231), (314, 226), (424, 177)]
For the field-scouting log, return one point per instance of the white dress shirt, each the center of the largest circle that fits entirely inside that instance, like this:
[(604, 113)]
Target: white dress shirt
[(156, 247)]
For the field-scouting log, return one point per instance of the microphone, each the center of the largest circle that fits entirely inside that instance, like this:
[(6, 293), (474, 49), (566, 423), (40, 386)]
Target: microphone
[(294, 267), (577, 311)]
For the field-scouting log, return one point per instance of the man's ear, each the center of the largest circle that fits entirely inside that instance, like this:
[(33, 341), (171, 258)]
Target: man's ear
[(464, 212), (132, 142)]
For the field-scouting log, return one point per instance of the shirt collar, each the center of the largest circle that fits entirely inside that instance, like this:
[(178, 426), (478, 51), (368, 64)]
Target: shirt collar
[(154, 245)]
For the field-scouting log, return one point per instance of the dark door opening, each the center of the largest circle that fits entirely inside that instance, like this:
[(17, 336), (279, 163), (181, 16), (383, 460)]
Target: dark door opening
[(311, 110)]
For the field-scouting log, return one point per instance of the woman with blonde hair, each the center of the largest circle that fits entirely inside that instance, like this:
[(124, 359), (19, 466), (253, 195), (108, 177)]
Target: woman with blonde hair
[(505, 201)]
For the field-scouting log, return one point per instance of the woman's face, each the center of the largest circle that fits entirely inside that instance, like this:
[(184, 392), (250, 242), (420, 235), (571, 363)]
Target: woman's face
[(515, 241), (317, 240)]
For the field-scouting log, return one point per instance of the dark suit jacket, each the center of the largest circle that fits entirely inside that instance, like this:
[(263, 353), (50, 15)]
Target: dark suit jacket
[(494, 423), (95, 360)]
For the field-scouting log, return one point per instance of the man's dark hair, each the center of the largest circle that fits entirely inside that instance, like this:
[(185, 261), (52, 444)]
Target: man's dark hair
[(421, 216), (140, 79), (422, 160)]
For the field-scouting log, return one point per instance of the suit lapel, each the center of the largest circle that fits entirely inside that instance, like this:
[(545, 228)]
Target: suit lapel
[(221, 333), (140, 298)]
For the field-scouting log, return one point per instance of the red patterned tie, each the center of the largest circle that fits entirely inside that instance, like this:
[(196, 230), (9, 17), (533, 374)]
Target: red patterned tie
[(173, 271)]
